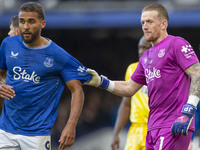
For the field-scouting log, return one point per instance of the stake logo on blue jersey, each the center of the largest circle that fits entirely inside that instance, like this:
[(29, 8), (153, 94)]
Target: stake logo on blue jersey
[(38, 76), (22, 74)]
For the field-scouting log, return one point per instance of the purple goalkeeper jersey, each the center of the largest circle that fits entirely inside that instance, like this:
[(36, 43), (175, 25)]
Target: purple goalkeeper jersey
[(162, 69)]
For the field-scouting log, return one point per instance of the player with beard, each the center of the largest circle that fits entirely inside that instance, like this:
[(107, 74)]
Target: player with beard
[(37, 72), (171, 71)]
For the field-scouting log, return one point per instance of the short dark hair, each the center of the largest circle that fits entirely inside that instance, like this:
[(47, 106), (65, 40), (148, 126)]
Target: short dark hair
[(15, 21), (162, 11), (33, 7)]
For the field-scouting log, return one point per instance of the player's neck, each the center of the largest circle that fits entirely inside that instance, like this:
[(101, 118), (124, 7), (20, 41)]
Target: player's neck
[(162, 37), (40, 41)]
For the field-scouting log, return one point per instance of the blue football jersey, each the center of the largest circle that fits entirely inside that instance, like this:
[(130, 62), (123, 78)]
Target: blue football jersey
[(38, 76)]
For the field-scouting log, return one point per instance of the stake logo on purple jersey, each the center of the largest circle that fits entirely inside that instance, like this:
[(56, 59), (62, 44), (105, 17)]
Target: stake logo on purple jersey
[(162, 69), (151, 74)]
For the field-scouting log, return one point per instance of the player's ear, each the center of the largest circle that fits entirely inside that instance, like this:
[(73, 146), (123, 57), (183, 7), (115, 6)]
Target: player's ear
[(164, 24), (43, 23), (17, 31)]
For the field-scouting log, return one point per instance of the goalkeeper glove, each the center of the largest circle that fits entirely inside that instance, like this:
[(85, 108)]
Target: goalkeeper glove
[(100, 81), (182, 124)]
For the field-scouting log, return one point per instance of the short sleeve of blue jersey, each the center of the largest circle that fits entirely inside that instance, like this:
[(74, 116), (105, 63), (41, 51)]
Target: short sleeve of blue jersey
[(73, 70), (3, 56)]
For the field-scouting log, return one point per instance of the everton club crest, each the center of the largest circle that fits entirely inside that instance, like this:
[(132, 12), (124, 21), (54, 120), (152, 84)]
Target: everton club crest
[(48, 62), (161, 53)]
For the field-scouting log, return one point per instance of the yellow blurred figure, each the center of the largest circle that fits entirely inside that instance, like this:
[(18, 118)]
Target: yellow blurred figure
[(136, 109)]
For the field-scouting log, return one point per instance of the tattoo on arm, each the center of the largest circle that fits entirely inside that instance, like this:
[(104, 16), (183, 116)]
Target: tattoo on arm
[(194, 72)]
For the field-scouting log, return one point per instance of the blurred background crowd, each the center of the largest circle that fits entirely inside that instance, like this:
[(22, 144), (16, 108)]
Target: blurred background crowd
[(103, 35)]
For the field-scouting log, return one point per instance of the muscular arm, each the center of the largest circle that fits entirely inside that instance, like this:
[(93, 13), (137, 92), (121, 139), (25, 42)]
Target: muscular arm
[(120, 88), (68, 134), (126, 88), (194, 72), (122, 119), (181, 125)]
